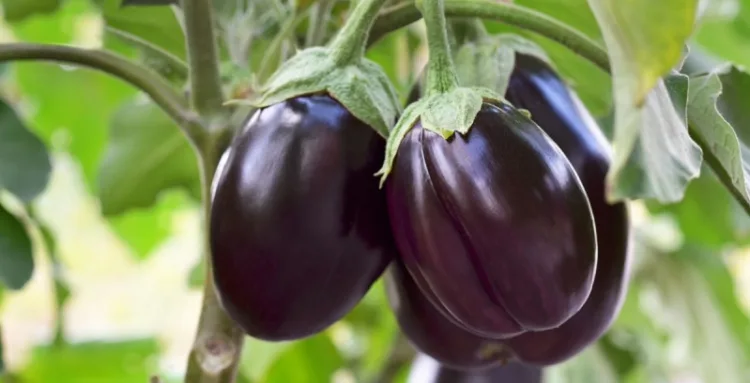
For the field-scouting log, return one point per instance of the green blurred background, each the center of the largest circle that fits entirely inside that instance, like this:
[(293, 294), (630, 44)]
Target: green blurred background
[(115, 292)]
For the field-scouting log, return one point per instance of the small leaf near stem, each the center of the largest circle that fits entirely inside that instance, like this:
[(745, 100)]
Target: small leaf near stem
[(441, 72), (351, 42)]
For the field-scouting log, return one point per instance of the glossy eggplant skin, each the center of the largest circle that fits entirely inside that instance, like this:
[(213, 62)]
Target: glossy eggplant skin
[(299, 228), (494, 224), (430, 331), (536, 87), (428, 370)]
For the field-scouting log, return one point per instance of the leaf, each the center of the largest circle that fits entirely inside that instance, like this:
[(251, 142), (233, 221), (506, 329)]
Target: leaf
[(146, 155), (314, 359), (157, 25), (707, 200), (654, 156), (24, 162), (645, 40), (258, 356), (19, 10), (144, 229), (16, 257), (120, 362)]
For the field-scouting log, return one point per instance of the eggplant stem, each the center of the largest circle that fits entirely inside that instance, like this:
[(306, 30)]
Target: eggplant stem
[(441, 72), (350, 43)]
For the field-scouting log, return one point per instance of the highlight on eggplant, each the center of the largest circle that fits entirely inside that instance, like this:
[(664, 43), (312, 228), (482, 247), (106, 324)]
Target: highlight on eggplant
[(299, 228)]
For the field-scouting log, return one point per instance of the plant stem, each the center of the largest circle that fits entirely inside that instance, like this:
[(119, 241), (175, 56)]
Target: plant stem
[(441, 72), (205, 82), (524, 18), (149, 82), (350, 43), (218, 343)]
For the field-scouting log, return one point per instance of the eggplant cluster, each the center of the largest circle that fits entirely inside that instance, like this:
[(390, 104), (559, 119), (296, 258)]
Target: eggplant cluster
[(499, 243), (494, 228)]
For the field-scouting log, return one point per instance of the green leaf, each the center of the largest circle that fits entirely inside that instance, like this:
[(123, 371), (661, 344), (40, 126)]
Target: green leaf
[(121, 362), (157, 25), (707, 200), (146, 154), (313, 359), (258, 356), (144, 229), (654, 156), (24, 162), (16, 256), (645, 40), (18, 10)]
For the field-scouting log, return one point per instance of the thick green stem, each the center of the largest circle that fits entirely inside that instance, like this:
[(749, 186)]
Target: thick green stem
[(524, 18), (205, 82), (349, 44), (441, 72), (147, 81), (218, 342), (468, 29)]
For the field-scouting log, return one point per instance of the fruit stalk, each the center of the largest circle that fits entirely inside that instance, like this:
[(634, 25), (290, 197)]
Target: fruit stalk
[(441, 72), (350, 44)]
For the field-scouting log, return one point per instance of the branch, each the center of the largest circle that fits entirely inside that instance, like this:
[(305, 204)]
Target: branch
[(205, 82), (160, 91), (218, 342), (405, 14)]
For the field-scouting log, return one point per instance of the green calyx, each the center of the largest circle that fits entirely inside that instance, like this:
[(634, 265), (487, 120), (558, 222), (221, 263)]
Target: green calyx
[(442, 113), (341, 71)]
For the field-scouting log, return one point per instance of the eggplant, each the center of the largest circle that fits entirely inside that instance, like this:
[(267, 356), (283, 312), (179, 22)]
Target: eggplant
[(535, 87), (298, 226), (494, 224), (427, 370), (431, 332)]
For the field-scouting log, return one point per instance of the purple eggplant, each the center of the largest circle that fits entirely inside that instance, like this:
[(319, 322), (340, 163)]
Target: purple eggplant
[(494, 224), (536, 87), (428, 370), (430, 331), (299, 228)]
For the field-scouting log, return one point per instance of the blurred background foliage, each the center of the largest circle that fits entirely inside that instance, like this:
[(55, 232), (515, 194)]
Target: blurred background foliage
[(105, 221)]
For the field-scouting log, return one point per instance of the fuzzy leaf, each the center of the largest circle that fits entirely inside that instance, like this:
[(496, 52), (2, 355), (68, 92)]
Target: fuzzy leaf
[(729, 156), (485, 63), (304, 73), (146, 155), (451, 112), (24, 162), (654, 156), (16, 260)]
